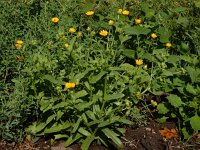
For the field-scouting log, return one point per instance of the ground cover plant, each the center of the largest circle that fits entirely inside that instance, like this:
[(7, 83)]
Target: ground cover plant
[(81, 70)]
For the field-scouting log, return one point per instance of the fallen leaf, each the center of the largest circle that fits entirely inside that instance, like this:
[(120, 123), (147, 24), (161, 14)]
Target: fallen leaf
[(169, 133)]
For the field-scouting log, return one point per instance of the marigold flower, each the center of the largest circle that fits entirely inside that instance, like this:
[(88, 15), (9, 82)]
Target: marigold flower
[(72, 30), (125, 12), (79, 34), (66, 45), (70, 85), (138, 62), (110, 22), (153, 36), (19, 42), (138, 21), (168, 44), (55, 20), (103, 33), (90, 13)]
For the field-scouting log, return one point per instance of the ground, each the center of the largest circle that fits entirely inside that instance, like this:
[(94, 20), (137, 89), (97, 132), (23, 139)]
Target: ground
[(137, 137)]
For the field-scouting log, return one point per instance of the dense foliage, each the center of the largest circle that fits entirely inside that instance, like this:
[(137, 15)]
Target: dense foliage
[(80, 69)]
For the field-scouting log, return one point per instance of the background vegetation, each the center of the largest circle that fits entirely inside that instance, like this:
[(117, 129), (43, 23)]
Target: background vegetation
[(122, 72)]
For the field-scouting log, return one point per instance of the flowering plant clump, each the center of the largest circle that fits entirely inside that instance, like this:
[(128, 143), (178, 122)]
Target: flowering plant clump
[(140, 60)]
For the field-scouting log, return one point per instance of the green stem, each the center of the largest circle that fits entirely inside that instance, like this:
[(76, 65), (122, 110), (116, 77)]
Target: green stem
[(104, 93)]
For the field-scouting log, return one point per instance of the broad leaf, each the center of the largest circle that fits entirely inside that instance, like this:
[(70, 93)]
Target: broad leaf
[(195, 122), (113, 96), (137, 30), (162, 109), (175, 100), (86, 143), (95, 78)]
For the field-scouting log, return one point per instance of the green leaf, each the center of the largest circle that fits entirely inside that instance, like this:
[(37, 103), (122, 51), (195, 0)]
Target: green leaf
[(137, 30), (79, 94), (183, 21), (123, 38), (174, 100), (40, 127), (76, 125), (191, 89), (195, 122), (84, 132), (60, 136), (53, 80), (50, 118), (95, 78), (125, 121), (162, 109), (197, 3), (86, 143), (57, 127), (72, 139), (185, 133), (164, 34), (194, 74), (91, 115), (83, 105), (129, 53), (162, 119), (113, 96), (113, 136)]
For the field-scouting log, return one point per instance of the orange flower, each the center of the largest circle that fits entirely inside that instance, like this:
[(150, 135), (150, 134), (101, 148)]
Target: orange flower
[(169, 133)]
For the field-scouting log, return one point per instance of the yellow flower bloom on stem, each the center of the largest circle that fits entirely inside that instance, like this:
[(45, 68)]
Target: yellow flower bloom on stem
[(168, 44), (70, 85), (90, 13), (103, 33), (125, 12), (153, 36), (138, 62), (55, 20), (110, 22), (72, 30), (138, 21), (19, 42), (66, 45), (79, 34)]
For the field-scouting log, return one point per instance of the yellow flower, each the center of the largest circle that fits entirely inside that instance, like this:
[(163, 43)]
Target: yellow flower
[(110, 22), (66, 45), (19, 42), (154, 103), (125, 12), (20, 58), (55, 20), (90, 13), (103, 33), (138, 21), (119, 11), (18, 46), (79, 34), (153, 36), (70, 85), (168, 44), (138, 62), (72, 30)]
